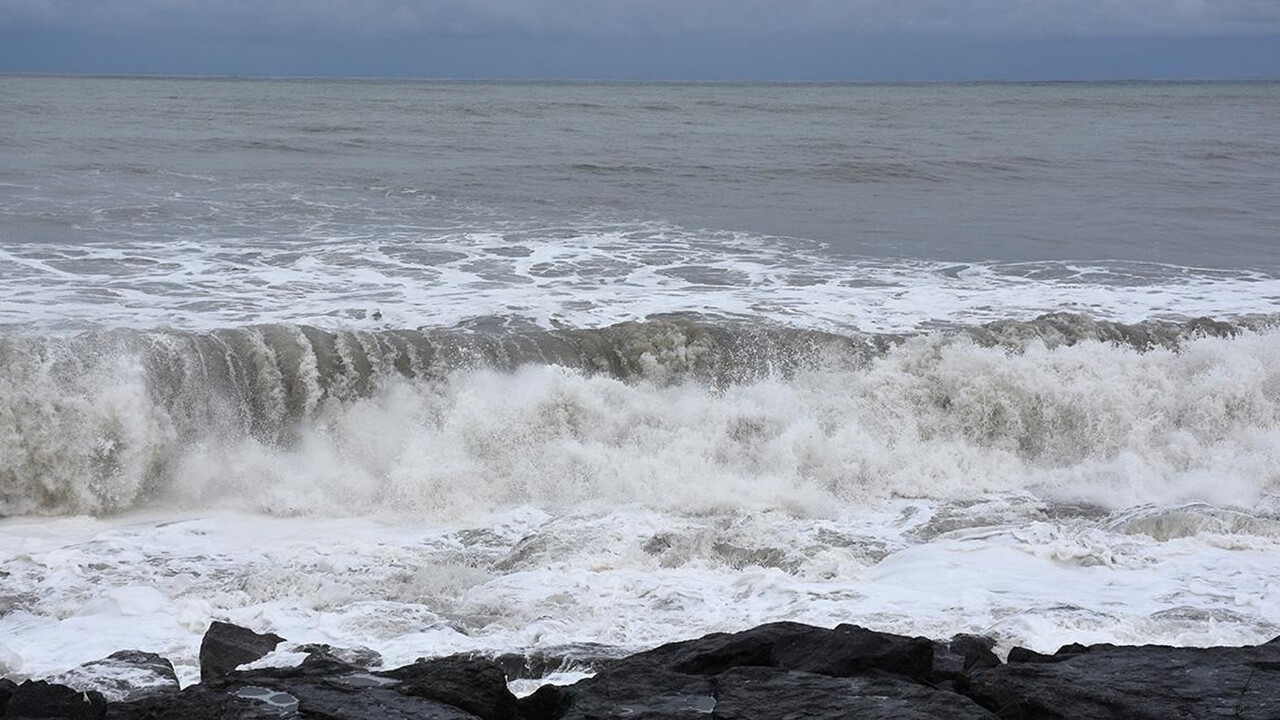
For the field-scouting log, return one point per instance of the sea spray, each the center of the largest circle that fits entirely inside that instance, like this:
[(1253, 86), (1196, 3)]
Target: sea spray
[(287, 419)]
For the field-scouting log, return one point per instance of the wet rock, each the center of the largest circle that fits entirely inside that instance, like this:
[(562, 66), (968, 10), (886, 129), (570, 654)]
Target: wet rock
[(226, 647), (541, 663), (548, 702), (650, 694), (329, 689), (850, 649), (360, 656), (780, 670), (476, 685), (37, 699), (961, 656), (683, 680), (122, 676), (1023, 655), (1135, 683), (198, 702), (757, 693), (320, 688), (6, 691), (846, 650)]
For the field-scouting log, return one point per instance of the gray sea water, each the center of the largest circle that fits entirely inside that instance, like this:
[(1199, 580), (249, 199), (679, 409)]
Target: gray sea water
[(137, 191), (447, 366)]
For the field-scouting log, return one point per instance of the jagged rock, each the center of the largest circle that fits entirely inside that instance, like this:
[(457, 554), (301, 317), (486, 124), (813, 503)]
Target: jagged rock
[(1135, 683), (850, 649), (962, 655), (320, 688), (757, 693), (360, 656), (846, 650), (329, 689), (7, 688), (681, 680), (6, 691), (226, 647), (34, 700), (476, 685), (122, 676), (548, 702), (540, 663), (198, 702), (781, 670), (1023, 655)]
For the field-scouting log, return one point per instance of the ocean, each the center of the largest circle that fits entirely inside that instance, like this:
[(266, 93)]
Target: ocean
[(437, 367)]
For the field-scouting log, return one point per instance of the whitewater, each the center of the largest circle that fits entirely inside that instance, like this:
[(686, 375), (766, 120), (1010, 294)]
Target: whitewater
[(478, 382)]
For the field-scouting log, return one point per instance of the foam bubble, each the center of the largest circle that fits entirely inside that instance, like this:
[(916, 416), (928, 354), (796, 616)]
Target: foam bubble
[(587, 275)]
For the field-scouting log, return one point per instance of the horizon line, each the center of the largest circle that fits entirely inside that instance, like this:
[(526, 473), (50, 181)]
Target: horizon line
[(586, 80)]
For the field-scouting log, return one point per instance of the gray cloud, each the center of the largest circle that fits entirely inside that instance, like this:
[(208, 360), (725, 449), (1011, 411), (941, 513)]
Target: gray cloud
[(663, 18)]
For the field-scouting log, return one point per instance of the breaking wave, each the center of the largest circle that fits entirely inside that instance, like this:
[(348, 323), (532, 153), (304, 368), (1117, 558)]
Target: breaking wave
[(674, 413)]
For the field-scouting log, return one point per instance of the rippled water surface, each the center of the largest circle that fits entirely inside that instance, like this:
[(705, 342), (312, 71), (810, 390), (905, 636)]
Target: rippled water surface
[(438, 367)]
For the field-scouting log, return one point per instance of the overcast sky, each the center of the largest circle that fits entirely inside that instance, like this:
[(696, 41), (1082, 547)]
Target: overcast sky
[(649, 39)]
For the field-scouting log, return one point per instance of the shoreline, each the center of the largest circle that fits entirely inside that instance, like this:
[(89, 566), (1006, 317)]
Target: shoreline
[(776, 670)]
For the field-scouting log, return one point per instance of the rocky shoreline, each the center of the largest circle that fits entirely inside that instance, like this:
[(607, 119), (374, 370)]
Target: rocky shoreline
[(772, 672)]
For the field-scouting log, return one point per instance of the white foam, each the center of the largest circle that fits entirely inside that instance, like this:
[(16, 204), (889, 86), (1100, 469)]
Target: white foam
[(400, 588), (934, 491), (584, 276), (934, 418)]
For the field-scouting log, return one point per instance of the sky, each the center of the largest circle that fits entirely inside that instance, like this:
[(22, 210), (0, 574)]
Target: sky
[(823, 40)]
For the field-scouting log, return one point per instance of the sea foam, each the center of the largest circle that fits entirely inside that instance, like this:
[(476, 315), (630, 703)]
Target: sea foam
[(290, 420)]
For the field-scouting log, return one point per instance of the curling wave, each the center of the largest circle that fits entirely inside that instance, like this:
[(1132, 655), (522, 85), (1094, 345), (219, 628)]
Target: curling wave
[(675, 413)]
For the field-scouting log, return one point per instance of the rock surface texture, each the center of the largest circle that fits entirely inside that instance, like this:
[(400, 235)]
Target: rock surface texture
[(226, 647), (123, 676), (779, 671)]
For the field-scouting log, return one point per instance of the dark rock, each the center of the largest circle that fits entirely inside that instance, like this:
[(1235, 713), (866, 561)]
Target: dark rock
[(6, 691), (850, 649), (321, 688), (684, 680), (476, 685), (846, 650), (781, 670), (546, 703), (651, 693), (755, 693), (541, 663), (328, 689), (1072, 649), (198, 702), (1137, 683), (38, 699), (1023, 655), (360, 656), (962, 655), (122, 676), (718, 652), (226, 647)]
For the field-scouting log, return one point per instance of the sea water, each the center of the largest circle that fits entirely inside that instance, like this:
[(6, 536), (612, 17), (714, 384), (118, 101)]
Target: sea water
[(436, 367)]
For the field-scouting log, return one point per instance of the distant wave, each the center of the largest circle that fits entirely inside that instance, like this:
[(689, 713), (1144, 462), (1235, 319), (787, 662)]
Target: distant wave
[(676, 413)]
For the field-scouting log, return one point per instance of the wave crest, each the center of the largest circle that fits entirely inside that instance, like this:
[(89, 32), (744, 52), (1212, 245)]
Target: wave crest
[(673, 413)]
